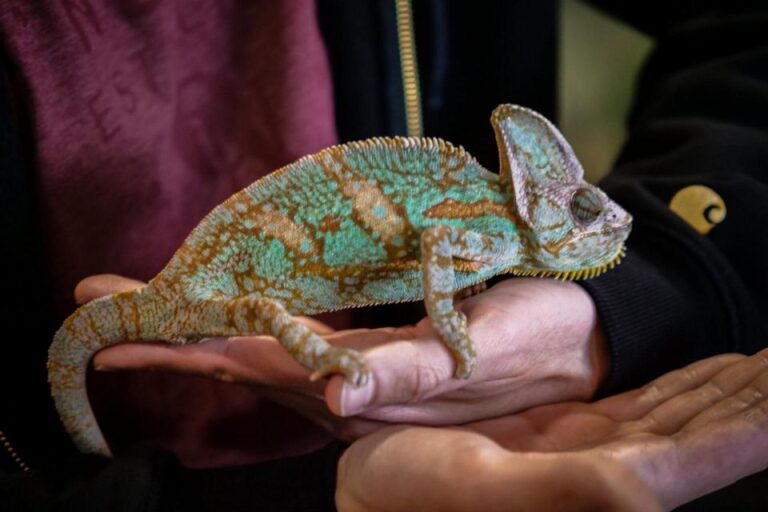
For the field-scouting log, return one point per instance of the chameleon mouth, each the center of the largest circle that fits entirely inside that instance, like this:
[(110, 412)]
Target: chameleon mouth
[(571, 275)]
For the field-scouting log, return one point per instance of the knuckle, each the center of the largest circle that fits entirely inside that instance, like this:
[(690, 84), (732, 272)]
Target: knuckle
[(652, 393), (422, 380), (713, 391), (690, 373), (758, 415)]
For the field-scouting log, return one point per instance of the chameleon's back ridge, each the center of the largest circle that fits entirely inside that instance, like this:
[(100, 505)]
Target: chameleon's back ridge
[(371, 222)]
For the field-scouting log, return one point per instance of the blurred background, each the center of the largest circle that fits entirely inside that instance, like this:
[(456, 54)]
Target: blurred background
[(599, 60)]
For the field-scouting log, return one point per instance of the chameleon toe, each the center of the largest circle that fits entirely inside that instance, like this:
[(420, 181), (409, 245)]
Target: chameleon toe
[(347, 362), (465, 368)]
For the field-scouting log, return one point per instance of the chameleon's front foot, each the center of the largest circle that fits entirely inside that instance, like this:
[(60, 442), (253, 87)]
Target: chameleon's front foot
[(345, 361), (439, 246), (465, 367)]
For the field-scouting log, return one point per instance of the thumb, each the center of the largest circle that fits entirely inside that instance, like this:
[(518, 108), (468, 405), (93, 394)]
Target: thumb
[(96, 286), (404, 372)]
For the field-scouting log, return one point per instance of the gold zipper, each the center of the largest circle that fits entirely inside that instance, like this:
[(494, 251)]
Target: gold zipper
[(409, 68), (12, 452)]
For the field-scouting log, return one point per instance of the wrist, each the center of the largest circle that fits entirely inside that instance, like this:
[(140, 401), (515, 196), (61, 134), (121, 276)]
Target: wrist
[(599, 356), (595, 348), (544, 481)]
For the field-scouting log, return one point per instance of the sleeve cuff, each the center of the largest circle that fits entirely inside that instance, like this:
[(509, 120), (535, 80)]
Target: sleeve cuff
[(659, 309)]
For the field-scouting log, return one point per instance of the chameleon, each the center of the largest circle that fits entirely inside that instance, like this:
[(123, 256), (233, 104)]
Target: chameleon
[(383, 220)]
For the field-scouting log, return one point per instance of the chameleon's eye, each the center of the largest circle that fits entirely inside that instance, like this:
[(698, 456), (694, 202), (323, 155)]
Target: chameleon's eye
[(586, 206)]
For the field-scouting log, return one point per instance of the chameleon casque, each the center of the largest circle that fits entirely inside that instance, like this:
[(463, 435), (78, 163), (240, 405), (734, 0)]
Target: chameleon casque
[(379, 221)]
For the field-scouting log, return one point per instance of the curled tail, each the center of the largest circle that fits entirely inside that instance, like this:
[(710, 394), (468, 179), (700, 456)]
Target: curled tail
[(102, 322)]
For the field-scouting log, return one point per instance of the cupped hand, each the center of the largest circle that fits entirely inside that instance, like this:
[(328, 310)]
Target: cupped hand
[(537, 342), (685, 434)]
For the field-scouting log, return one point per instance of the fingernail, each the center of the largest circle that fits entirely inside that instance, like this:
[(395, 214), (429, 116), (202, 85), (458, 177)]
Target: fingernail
[(355, 400)]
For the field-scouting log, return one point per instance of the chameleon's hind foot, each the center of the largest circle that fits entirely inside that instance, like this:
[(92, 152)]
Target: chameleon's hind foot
[(346, 361), (264, 315)]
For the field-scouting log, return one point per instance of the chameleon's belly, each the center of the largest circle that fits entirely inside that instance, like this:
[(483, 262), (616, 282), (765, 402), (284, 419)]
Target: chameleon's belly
[(399, 281), (316, 288)]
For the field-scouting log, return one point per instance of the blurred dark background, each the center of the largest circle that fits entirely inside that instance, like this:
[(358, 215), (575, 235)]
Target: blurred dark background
[(599, 59)]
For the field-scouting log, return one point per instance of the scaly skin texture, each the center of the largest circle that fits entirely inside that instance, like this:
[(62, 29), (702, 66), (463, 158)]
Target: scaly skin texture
[(373, 222)]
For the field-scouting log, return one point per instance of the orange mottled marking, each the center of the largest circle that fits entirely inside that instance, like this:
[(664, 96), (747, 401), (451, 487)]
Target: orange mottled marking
[(393, 267), (91, 323), (277, 226), (120, 305), (372, 209), (452, 209), (330, 223), (366, 200)]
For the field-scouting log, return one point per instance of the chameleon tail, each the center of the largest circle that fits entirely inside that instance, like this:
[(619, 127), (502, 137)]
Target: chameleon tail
[(81, 335)]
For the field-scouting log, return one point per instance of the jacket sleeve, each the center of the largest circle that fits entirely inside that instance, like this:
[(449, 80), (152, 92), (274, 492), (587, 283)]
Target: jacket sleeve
[(700, 117)]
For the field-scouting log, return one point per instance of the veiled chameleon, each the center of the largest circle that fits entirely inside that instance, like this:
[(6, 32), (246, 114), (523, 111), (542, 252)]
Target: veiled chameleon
[(378, 221)]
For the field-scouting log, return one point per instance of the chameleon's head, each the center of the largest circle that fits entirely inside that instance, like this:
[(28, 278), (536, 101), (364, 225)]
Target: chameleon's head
[(579, 233), (569, 228)]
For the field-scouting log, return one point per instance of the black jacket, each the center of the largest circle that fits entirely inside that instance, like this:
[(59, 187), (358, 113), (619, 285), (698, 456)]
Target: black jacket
[(700, 117)]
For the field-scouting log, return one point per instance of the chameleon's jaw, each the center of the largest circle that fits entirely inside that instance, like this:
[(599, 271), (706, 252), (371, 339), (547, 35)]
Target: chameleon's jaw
[(570, 275)]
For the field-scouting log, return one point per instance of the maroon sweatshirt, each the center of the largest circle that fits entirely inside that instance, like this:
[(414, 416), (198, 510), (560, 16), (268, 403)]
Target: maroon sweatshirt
[(147, 114)]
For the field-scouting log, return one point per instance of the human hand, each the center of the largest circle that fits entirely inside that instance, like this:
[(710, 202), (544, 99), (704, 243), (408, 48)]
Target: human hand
[(537, 342), (683, 435)]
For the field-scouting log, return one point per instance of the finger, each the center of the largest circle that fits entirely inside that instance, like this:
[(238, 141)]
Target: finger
[(670, 416), (404, 371), (93, 287), (449, 405), (251, 360), (257, 360), (746, 398), (700, 461), (639, 402), (364, 339)]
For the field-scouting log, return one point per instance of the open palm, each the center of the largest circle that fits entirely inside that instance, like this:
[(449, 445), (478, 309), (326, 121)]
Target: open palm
[(685, 434)]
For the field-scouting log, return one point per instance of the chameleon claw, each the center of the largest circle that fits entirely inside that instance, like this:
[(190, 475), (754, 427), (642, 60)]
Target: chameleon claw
[(347, 362), (465, 367)]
